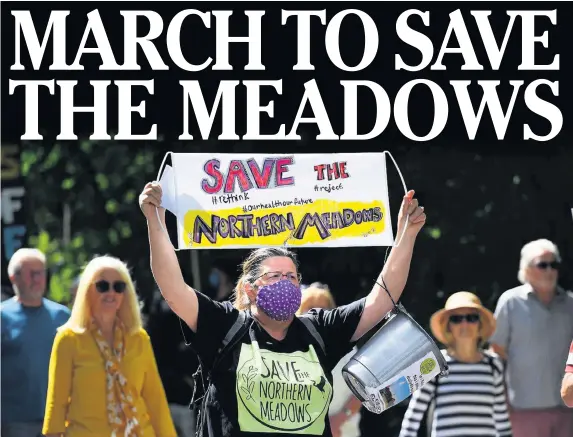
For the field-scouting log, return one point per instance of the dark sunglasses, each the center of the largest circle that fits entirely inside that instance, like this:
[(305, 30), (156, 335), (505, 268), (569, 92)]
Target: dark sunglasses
[(459, 318), (544, 265), (104, 286)]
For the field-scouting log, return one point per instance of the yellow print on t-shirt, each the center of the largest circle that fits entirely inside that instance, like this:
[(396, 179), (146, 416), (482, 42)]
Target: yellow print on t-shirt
[(281, 392)]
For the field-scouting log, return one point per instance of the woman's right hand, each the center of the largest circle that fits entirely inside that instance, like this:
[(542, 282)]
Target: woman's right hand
[(150, 198), (164, 263)]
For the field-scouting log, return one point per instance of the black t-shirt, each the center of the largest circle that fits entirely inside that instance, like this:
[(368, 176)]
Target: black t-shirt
[(266, 387)]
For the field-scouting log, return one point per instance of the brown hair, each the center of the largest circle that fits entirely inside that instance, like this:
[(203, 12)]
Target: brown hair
[(251, 269), (316, 297)]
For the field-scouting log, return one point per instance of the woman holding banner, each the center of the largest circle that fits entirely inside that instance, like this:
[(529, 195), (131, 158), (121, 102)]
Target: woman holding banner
[(265, 370)]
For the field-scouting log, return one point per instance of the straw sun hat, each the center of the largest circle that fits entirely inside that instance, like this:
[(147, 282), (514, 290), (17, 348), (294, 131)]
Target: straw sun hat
[(461, 299)]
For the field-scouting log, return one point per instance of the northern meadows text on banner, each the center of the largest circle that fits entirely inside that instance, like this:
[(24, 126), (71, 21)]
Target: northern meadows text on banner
[(248, 201)]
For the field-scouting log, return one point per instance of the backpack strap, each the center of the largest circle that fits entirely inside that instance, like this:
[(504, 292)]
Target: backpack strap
[(234, 334), (314, 332), (231, 337), (490, 359), (239, 323)]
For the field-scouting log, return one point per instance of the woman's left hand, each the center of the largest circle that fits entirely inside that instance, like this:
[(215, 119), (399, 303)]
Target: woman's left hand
[(413, 212)]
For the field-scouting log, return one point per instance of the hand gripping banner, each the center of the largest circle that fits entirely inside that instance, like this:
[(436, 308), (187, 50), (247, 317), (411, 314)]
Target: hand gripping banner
[(232, 201)]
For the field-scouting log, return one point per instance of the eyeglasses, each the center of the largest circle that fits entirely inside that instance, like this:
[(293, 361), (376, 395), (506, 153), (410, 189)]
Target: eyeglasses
[(272, 277), (104, 286), (456, 319), (544, 265)]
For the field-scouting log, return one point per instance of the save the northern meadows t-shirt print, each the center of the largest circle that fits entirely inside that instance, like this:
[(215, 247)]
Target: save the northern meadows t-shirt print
[(281, 392)]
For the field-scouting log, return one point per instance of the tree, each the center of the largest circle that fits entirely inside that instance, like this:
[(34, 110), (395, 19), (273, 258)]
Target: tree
[(82, 201)]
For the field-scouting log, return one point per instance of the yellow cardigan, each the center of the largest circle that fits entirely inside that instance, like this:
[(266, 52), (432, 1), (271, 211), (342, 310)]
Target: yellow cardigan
[(76, 401)]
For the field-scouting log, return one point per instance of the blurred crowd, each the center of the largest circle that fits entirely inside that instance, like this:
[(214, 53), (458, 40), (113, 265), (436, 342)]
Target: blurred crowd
[(69, 369)]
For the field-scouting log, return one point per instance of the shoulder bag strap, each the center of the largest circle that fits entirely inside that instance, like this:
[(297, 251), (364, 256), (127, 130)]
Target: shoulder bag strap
[(314, 332)]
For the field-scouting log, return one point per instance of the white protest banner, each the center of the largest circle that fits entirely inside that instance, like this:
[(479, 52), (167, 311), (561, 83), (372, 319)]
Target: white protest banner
[(300, 200)]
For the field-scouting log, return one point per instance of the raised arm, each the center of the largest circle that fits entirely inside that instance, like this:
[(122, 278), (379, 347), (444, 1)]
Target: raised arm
[(395, 272), (164, 263)]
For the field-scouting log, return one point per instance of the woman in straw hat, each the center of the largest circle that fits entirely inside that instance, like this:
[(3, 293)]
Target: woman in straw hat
[(471, 399)]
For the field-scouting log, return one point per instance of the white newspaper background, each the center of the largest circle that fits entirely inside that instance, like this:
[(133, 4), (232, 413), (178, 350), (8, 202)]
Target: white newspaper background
[(398, 388)]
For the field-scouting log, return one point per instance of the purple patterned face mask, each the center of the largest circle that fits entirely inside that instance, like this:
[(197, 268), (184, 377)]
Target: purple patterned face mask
[(280, 301)]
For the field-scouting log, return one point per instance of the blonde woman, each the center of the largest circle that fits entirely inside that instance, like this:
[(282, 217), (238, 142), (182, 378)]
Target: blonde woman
[(471, 400), (103, 379), (344, 410)]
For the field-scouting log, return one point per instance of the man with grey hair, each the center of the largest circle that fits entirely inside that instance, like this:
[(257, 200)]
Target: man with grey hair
[(29, 323), (533, 334)]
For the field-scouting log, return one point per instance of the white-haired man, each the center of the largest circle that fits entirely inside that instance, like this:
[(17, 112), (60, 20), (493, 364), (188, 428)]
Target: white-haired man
[(29, 323), (533, 333)]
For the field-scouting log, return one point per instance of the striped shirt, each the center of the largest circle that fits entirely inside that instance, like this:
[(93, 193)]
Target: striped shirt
[(470, 401), (569, 365)]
